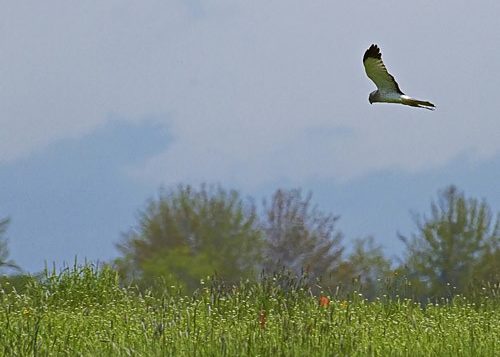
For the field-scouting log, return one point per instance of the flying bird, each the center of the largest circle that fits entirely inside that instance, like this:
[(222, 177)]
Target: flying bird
[(387, 88)]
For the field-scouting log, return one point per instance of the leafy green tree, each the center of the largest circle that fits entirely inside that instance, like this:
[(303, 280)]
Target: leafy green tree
[(186, 234), (4, 250), (365, 269), (457, 245), (300, 237)]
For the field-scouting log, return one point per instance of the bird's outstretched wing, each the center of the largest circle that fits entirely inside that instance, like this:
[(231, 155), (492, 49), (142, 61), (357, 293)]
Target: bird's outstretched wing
[(376, 71)]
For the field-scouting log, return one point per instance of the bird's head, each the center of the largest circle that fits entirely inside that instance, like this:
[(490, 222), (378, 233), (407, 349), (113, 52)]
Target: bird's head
[(373, 97)]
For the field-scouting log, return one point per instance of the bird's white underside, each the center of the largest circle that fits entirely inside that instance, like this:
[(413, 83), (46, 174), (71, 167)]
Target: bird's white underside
[(392, 97)]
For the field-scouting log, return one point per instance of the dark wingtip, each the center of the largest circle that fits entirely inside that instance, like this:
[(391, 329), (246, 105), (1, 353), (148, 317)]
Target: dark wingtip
[(372, 52)]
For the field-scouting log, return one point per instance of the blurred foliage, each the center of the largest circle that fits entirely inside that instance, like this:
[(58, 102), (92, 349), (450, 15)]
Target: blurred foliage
[(186, 234), (364, 270), (456, 246), (300, 237), (4, 250)]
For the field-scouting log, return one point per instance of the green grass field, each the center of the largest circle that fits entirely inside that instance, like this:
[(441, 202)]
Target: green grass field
[(84, 311)]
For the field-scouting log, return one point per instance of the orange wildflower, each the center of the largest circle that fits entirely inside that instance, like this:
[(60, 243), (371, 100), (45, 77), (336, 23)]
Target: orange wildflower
[(324, 301), (262, 318)]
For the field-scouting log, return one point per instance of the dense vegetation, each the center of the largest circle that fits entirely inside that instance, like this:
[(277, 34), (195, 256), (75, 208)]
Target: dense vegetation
[(185, 234), (84, 311), (205, 272)]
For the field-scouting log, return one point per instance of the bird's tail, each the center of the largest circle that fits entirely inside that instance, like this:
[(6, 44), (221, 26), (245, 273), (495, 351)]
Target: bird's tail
[(418, 103)]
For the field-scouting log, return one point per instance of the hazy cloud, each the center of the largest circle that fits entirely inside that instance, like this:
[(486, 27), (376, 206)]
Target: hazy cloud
[(247, 89)]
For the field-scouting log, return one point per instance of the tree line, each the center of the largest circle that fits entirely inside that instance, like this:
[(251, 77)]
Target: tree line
[(187, 233)]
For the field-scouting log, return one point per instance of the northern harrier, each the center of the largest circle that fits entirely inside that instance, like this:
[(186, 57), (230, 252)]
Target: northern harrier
[(387, 88)]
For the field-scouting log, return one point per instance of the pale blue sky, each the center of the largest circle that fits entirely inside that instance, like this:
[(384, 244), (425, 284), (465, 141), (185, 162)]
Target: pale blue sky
[(103, 102)]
